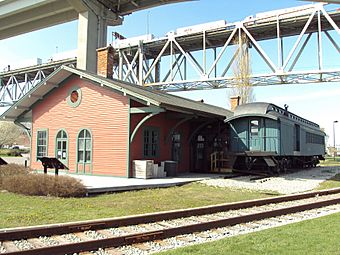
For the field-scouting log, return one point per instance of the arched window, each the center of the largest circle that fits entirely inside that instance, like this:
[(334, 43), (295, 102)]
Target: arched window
[(61, 150), (84, 153)]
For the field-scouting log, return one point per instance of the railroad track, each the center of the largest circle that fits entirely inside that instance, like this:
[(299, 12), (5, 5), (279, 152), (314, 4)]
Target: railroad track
[(108, 234)]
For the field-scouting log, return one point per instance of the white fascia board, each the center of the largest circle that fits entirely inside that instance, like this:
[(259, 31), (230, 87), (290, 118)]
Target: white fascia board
[(110, 85)]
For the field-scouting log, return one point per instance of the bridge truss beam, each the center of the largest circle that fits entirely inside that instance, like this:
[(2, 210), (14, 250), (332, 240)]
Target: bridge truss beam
[(202, 61), (15, 84), (205, 60)]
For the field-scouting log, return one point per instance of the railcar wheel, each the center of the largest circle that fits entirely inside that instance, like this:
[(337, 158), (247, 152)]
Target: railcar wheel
[(284, 165)]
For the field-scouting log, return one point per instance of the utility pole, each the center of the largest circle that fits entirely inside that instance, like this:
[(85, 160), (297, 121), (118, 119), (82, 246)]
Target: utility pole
[(335, 152)]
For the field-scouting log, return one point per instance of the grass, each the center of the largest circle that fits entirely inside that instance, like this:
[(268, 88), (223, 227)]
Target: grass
[(11, 152), (317, 236), (19, 210), (329, 161), (333, 182)]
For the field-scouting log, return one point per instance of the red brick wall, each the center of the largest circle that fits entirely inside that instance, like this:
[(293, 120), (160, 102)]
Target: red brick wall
[(105, 61), (102, 111)]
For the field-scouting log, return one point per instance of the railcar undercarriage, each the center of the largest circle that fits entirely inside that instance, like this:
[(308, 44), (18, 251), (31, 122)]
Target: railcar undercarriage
[(271, 163)]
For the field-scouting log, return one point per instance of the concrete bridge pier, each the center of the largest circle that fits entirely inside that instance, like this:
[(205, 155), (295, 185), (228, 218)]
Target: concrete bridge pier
[(92, 31)]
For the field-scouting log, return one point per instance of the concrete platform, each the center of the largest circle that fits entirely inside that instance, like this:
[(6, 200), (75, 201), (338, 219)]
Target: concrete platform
[(16, 160), (102, 184)]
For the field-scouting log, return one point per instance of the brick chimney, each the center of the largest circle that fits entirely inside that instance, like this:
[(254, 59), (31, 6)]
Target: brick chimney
[(105, 61), (234, 102)]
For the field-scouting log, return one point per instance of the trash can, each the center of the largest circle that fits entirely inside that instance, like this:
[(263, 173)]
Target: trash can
[(170, 167)]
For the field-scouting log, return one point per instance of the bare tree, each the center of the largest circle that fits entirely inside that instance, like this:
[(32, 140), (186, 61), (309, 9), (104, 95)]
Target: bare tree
[(242, 71), (9, 133)]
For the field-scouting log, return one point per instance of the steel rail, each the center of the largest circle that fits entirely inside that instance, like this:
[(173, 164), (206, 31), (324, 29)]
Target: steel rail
[(58, 229), (170, 232)]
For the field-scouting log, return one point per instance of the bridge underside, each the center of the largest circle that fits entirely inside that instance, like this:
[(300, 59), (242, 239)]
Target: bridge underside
[(22, 16)]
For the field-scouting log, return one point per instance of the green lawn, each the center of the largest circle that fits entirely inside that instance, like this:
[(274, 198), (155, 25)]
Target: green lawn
[(317, 236), (18, 210), (329, 161), (333, 182), (11, 152)]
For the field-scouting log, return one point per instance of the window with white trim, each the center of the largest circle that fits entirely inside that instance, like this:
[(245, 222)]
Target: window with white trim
[(61, 145), (42, 143), (84, 146)]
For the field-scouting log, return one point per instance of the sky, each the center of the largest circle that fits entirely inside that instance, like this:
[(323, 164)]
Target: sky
[(317, 102)]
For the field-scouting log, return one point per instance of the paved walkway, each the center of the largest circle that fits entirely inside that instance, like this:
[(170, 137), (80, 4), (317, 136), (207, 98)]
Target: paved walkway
[(300, 181), (101, 184), (16, 160)]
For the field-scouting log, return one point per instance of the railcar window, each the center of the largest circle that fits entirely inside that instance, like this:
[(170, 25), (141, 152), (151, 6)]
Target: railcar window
[(254, 127), (314, 138)]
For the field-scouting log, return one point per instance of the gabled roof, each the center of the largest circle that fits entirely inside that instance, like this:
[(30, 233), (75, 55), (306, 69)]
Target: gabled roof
[(22, 108)]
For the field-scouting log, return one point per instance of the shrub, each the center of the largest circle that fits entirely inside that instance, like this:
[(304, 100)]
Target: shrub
[(24, 151), (44, 185), (4, 152), (11, 170), (14, 153)]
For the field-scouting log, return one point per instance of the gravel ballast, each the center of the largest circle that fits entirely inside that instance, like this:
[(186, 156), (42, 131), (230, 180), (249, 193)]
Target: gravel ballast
[(300, 181)]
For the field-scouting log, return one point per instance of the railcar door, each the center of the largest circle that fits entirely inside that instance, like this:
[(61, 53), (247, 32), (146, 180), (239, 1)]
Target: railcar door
[(255, 143)]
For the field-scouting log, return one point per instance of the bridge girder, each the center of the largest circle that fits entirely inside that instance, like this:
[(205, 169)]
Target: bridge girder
[(22, 16), (186, 55)]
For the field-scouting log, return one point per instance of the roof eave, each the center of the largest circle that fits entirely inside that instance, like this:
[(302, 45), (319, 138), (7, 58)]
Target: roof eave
[(192, 111), (251, 115), (103, 82), (23, 105)]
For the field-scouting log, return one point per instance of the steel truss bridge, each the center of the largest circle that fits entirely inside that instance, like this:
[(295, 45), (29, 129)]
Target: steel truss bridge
[(195, 60)]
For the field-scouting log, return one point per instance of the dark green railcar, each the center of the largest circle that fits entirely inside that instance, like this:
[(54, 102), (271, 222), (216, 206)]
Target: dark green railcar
[(267, 138)]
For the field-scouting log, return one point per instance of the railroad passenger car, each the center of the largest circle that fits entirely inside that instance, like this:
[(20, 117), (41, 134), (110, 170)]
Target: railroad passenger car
[(266, 137)]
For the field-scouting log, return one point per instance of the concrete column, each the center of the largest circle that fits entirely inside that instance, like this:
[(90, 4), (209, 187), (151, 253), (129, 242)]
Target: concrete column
[(92, 34)]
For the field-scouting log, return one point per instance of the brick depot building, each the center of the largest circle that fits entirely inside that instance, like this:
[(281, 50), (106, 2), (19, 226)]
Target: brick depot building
[(98, 126)]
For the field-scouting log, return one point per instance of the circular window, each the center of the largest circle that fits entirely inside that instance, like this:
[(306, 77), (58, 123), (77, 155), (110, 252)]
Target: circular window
[(74, 96)]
